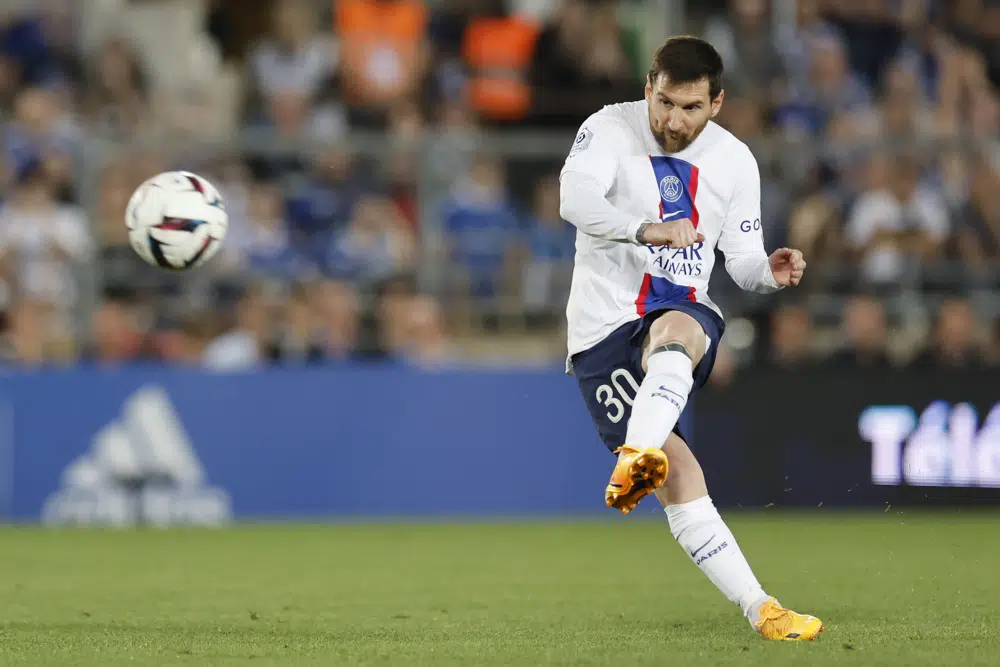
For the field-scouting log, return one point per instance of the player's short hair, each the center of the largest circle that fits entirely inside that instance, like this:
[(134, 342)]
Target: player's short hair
[(686, 59)]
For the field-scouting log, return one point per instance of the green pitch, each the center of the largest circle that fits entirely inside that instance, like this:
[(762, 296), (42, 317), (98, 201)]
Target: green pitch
[(894, 589)]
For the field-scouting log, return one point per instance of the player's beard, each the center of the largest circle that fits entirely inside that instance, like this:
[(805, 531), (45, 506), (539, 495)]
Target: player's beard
[(675, 143)]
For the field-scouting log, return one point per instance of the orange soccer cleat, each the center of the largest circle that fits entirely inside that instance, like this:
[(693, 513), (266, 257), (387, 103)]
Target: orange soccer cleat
[(782, 624), (638, 473)]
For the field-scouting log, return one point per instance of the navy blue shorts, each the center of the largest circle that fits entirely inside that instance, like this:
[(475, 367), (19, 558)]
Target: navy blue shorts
[(609, 373)]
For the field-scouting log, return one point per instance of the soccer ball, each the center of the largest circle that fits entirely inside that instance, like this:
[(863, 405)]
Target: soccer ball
[(176, 220)]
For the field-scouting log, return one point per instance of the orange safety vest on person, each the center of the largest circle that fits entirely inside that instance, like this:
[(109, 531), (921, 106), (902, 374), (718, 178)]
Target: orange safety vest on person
[(380, 48), (498, 52)]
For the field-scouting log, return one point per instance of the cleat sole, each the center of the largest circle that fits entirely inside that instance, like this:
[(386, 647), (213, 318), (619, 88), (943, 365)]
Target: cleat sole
[(649, 471), (646, 474)]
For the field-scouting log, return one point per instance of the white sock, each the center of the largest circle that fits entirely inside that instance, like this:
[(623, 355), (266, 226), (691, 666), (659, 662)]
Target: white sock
[(704, 536), (660, 400)]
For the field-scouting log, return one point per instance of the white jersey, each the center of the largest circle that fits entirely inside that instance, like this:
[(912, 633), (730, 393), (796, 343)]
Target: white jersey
[(615, 178)]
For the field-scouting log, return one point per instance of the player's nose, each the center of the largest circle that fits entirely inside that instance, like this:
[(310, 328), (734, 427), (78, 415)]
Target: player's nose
[(675, 123)]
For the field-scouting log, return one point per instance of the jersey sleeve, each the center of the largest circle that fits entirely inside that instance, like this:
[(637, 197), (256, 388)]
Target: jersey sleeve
[(742, 238), (595, 151), (588, 175)]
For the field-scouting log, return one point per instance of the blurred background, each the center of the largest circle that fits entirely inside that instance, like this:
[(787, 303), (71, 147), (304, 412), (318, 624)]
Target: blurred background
[(390, 170), (391, 173)]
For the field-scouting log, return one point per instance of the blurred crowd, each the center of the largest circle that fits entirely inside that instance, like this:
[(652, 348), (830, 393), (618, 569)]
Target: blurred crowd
[(876, 122)]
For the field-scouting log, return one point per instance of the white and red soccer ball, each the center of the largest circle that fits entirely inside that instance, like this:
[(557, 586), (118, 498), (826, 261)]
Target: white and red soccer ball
[(176, 220)]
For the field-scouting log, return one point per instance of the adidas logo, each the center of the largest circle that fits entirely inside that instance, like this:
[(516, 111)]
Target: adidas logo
[(141, 468)]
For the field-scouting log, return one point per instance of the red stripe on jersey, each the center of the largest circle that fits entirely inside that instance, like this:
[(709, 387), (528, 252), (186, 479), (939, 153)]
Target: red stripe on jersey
[(692, 192), (691, 297), (640, 301)]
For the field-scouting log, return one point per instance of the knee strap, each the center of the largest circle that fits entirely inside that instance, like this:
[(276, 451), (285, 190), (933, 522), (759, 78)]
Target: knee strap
[(671, 347)]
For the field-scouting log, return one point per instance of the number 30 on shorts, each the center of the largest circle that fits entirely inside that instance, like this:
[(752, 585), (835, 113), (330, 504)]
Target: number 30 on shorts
[(612, 395)]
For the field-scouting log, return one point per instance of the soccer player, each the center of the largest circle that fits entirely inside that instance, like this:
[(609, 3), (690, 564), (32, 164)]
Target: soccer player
[(653, 188)]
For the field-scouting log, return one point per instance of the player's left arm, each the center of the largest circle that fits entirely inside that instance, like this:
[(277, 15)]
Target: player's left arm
[(742, 239)]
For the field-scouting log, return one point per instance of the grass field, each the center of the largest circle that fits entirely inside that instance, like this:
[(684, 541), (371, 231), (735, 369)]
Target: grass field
[(894, 589)]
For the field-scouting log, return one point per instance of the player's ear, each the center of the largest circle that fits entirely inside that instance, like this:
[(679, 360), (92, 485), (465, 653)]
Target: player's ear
[(717, 103), (649, 88)]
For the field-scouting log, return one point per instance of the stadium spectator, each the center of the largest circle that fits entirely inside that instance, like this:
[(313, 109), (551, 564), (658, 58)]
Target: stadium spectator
[(401, 169), (296, 332), (903, 110), (814, 226), (953, 345), (744, 117), (743, 37), (579, 65), (293, 75), (39, 38), (976, 22), (118, 334), (606, 63), (977, 237), (376, 245), (183, 342), (453, 148), (551, 245), (482, 230), (322, 204), (9, 84), (25, 344), (560, 46), (42, 135), (427, 344), (42, 242), (338, 310), (446, 29), (242, 346), (866, 336), (385, 54), (897, 222), (871, 33), (497, 49), (791, 337), (116, 96), (794, 41), (724, 369), (393, 301), (831, 89), (259, 242)]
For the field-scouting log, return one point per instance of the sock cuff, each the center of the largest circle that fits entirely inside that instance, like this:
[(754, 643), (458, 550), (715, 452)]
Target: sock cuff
[(684, 515)]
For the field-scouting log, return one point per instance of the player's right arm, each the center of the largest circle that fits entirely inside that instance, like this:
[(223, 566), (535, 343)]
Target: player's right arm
[(588, 175)]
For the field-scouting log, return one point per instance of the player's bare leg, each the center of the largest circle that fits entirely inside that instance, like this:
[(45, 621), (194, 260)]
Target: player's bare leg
[(705, 537), (673, 347)]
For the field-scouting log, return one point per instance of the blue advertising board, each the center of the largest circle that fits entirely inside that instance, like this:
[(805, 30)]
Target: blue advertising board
[(82, 445), (185, 446)]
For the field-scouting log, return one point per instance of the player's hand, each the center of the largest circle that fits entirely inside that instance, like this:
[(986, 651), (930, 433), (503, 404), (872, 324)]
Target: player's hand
[(787, 266), (678, 233)]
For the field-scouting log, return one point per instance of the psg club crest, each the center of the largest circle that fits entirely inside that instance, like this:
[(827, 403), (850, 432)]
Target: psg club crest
[(671, 189)]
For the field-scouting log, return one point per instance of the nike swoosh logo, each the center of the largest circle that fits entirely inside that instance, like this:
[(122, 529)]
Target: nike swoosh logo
[(670, 215), (695, 552), (662, 388)]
